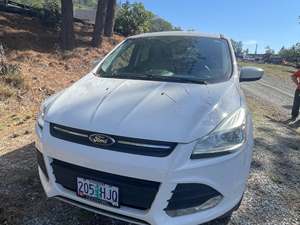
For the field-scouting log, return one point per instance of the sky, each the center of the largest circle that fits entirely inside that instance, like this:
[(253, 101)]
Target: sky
[(262, 22)]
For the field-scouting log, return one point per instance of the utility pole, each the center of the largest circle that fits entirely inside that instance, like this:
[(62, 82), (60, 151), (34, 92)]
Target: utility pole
[(256, 48)]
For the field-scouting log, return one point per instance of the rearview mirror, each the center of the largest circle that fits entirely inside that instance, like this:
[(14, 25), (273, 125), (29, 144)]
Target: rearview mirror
[(250, 73)]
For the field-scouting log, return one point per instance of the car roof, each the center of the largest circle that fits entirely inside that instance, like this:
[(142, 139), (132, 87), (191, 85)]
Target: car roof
[(177, 33)]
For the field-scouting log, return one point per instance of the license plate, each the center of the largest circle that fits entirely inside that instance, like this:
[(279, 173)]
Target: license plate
[(97, 191)]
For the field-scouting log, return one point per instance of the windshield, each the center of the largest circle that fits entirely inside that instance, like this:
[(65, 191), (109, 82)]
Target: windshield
[(170, 58)]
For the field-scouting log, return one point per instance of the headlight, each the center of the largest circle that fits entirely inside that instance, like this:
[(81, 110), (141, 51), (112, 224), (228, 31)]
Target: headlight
[(41, 116), (45, 106), (228, 136)]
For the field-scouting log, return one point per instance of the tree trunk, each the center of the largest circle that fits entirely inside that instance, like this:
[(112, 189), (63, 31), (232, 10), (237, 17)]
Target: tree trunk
[(67, 32), (99, 23), (110, 18)]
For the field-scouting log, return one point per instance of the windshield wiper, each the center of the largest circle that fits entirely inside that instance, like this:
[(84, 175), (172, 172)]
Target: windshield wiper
[(156, 77), (173, 78), (125, 75), (188, 80), (179, 79)]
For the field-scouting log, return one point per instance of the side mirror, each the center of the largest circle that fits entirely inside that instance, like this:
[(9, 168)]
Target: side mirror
[(250, 74)]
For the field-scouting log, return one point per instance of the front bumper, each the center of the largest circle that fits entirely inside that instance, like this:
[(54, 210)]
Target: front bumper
[(227, 174)]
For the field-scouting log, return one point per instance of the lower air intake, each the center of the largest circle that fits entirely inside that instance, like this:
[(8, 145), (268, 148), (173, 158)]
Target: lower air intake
[(190, 198)]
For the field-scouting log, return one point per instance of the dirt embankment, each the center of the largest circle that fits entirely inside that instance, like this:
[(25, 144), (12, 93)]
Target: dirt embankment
[(44, 68)]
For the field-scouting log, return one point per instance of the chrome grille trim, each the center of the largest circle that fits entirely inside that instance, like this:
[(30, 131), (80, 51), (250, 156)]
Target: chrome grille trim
[(130, 145), (143, 145), (70, 132)]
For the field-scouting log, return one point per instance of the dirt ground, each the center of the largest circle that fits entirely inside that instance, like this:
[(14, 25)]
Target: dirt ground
[(44, 69), (272, 195)]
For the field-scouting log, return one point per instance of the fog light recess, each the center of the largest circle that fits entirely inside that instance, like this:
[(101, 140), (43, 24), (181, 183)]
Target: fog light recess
[(191, 198)]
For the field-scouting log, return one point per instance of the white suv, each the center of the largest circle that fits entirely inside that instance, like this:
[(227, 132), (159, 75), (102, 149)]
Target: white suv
[(157, 133)]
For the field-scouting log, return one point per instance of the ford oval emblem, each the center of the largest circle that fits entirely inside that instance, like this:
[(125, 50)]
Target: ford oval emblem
[(101, 139)]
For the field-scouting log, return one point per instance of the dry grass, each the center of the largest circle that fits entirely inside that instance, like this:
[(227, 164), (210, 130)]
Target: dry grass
[(11, 85), (13, 80), (44, 70), (5, 91)]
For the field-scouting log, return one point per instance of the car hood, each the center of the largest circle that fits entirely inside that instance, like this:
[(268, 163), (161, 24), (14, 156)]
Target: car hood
[(166, 111)]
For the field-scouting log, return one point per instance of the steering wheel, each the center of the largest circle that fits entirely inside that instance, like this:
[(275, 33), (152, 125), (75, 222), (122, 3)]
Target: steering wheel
[(206, 67)]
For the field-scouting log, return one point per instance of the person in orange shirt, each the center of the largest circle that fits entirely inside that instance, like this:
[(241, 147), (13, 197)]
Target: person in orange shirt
[(296, 105)]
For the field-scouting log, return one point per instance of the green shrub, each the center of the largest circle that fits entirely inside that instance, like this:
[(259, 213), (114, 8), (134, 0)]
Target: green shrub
[(159, 24), (133, 18), (32, 3), (50, 15)]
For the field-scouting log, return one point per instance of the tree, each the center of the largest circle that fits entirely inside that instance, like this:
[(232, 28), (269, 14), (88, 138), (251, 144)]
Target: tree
[(132, 19), (291, 54), (269, 51), (283, 52), (99, 23), (177, 28), (159, 24), (110, 18), (67, 32), (237, 47)]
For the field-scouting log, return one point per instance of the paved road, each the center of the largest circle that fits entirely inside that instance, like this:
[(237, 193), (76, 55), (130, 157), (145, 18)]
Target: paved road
[(273, 90), (88, 15)]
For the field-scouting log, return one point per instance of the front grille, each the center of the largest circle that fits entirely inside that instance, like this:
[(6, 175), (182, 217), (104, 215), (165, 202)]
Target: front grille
[(190, 195), (135, 193), (120, 144)]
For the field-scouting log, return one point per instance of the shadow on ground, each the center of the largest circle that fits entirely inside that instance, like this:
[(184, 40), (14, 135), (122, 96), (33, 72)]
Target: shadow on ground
[(285, 123)]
